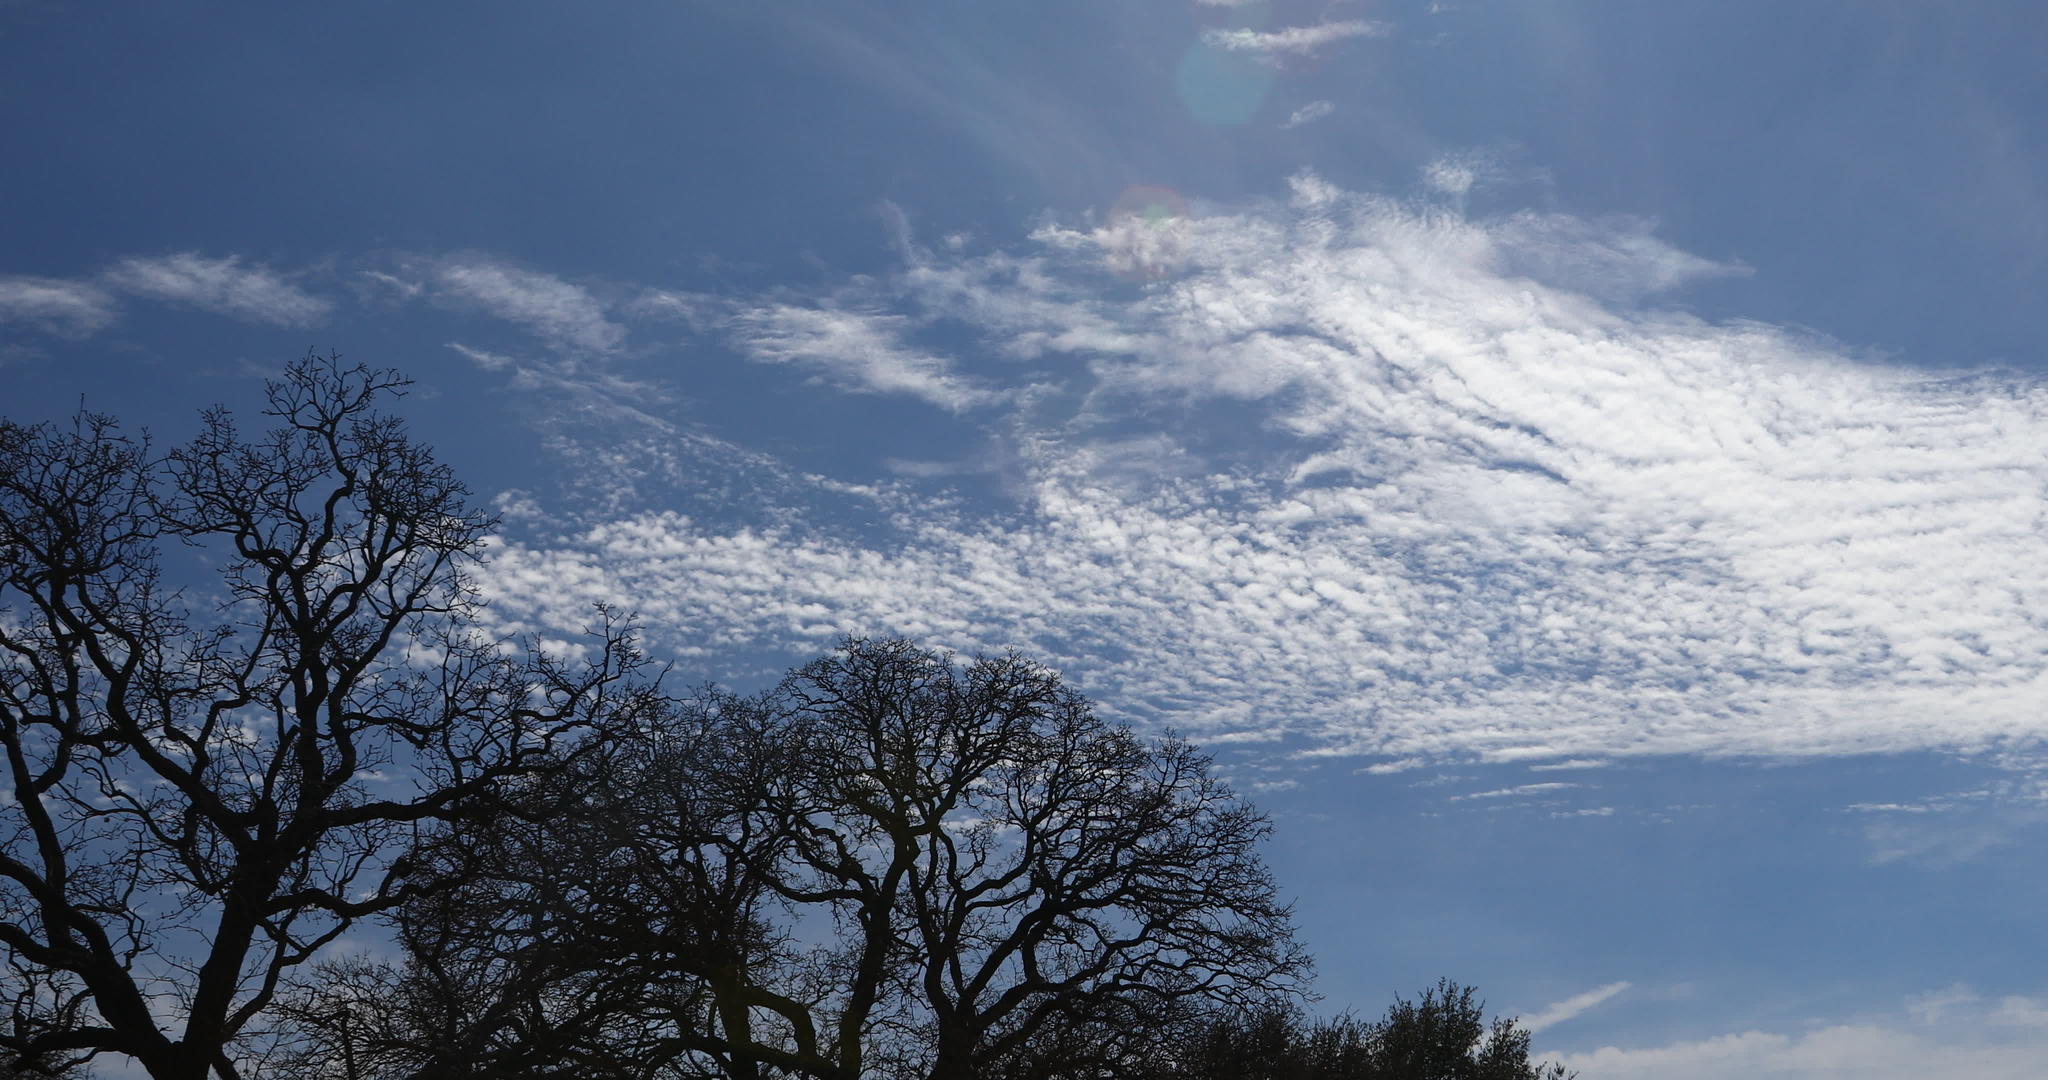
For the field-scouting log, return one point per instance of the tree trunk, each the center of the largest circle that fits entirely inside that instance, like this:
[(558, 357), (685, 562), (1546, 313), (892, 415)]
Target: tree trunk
[(955, 1057)]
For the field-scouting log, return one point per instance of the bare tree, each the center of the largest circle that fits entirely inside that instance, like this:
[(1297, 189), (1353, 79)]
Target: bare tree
[(890, 865), (588, 926), (41, 1006), (1004, 862), (200, 801)]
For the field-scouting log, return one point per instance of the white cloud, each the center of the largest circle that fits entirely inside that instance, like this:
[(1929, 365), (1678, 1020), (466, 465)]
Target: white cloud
[(857, 351), (562, 314), (2016, 1011), (691, 309), (54, 305), (610, 428), (1941, 842), (1292, 40), (1615, 259), (1933, 1007), (1496, 509), (225, 286), (377, 285), (1450, 176), (1309, 113), (1519, 789), (517, 505), (489, 361), (1561, 1011), (1962, 1035)]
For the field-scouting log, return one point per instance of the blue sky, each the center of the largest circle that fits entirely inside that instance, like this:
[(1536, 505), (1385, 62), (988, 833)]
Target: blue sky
[(1580, 466)]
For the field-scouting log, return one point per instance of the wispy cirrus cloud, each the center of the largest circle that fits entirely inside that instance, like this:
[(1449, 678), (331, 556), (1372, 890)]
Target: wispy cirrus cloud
[(1560, 1011), (1905, 832), (563, 314), (859, 351), (1308, 114), (227, 286), (579, 391), (1498, 506), (606, 423), (1517, 790), (1616, 259), (55, 305), (1292, 40)]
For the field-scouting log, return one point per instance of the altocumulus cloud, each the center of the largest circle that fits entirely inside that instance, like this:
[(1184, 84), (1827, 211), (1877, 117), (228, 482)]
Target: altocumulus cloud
[(1469, 492)]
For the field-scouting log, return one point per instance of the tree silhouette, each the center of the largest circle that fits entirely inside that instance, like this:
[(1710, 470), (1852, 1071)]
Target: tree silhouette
[(1008, 857), (200, 800), (892, 864), (1441, 1035), (1444, 1035), (889, 865), (583, 923)]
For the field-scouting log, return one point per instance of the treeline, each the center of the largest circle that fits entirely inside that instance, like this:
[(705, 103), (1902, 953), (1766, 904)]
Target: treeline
[(891, 864), (1443, 1034)]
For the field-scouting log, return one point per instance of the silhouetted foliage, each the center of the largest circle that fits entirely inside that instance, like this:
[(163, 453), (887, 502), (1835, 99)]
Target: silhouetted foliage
[(200, 800), (1442, 1035)]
